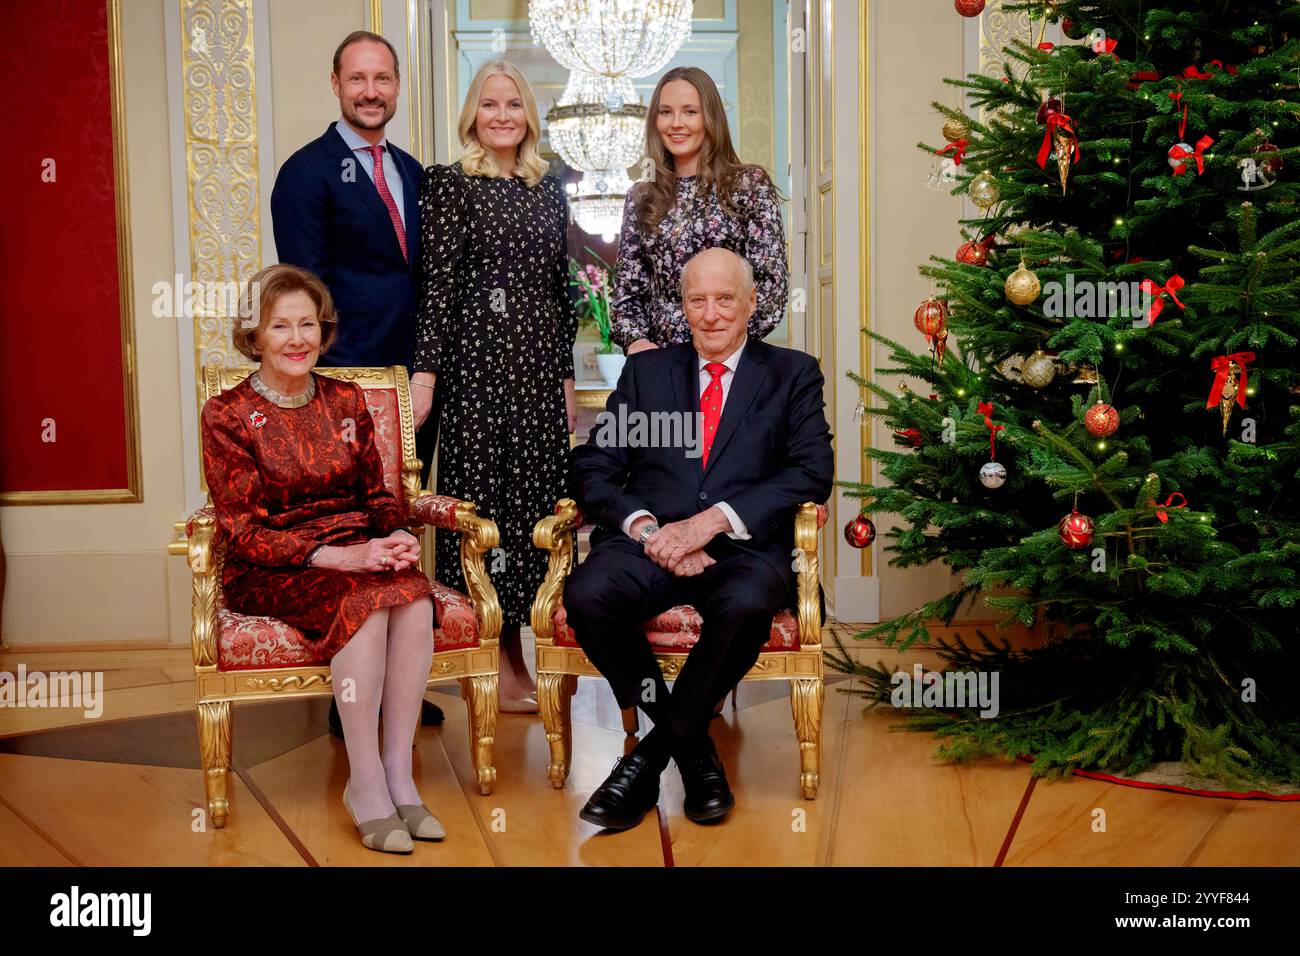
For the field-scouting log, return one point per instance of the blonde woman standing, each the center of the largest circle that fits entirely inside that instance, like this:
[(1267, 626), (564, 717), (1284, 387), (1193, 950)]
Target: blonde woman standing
[(700, 196), (494, 335)]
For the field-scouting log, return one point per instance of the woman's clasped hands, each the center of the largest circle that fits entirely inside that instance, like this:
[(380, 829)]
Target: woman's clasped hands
[(397, 552)]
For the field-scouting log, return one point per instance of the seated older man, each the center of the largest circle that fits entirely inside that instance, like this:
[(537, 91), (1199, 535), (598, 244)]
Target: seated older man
[(705, 519)]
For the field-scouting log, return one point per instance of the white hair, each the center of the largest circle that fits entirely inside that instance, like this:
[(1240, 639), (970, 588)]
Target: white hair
[(746, 270)]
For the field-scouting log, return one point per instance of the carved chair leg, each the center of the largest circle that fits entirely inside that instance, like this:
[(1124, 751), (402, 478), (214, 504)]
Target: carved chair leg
[(806, 694), (554, 699), (631, 721), (214, 750), (481, 707)]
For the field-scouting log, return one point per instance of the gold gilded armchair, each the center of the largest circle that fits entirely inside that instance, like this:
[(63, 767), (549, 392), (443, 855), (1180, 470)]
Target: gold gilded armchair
[(793, 651), (241, 657)]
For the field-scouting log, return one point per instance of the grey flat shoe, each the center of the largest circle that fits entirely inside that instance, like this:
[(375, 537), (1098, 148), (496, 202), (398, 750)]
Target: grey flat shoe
[(420, 823), (387, 835)]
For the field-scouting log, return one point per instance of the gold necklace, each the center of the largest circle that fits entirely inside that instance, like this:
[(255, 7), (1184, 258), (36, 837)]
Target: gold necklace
[(275, 398)]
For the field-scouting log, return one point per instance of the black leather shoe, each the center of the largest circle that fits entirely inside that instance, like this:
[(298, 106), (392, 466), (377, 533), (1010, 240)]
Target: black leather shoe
[(430, 714), (708, 797), (627, 795), (336, 724)]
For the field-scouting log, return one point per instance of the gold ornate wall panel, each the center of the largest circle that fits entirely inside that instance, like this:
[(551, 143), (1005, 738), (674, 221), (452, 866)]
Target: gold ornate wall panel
[(997, 29), (219, 103)]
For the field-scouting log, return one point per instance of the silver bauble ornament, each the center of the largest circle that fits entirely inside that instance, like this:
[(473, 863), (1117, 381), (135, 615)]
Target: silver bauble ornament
[(993, 474)]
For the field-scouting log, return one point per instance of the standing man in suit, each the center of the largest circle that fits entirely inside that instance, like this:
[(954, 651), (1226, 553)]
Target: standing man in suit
[(710, 524), (346, 207)]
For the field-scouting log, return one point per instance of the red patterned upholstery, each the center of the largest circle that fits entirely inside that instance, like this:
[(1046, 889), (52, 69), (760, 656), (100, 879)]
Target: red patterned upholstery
[(246, 642), (382, 403), (678, 628), (205, 511), (436, 510)]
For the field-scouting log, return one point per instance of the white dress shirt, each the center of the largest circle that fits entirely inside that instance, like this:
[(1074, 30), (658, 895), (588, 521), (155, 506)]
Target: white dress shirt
[(738, 530)]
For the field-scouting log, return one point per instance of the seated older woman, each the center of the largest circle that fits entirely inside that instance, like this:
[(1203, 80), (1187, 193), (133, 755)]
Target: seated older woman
[(314, 539)]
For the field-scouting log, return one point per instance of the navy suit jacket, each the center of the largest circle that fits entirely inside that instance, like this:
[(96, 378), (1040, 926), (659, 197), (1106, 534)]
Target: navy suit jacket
[(339, 228), (771, 453)]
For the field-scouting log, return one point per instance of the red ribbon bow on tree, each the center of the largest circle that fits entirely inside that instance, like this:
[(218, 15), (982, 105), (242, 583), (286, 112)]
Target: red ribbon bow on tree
[(1192, 73), (1202, 144), (1157, 292), (1226, 67), (1106, 47), (958, 145), (1222, 364), (1177, 97), (1162, 513), (986, 409), (1055, 120)]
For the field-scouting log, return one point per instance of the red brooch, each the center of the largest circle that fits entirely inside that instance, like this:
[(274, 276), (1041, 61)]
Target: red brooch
[(258, 419)]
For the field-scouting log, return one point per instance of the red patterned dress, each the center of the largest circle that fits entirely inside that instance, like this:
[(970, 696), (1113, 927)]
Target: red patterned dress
[(284, 480)]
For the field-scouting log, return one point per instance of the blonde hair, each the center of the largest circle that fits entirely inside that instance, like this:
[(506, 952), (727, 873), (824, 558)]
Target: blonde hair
[(478, 160)]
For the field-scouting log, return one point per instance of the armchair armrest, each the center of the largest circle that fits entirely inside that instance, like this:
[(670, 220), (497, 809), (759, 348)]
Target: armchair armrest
[(478, 536), (554, 534), (203, 554), (441, 511), (807, 520)]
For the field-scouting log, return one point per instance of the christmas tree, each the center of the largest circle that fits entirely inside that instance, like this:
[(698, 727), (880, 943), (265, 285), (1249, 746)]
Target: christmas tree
[(1110, 446)]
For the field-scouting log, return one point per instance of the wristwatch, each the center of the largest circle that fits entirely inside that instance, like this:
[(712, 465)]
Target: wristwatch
[(646, 531)]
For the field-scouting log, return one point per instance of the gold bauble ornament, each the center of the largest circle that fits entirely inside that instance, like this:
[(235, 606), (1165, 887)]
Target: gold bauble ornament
[(1022, 285), (1038, 370), (955, 129), (984, 191)]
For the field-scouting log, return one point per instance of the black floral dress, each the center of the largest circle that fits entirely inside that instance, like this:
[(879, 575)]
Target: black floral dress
[(496, 324), (646, 302)]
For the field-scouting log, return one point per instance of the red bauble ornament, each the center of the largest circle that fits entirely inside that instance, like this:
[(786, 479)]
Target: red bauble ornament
[(860, 532), (1075, 530), (930, 316), (1272, 165), (1047, 108), (972, 253), (911, 437), (1101, 420), (969, 8)]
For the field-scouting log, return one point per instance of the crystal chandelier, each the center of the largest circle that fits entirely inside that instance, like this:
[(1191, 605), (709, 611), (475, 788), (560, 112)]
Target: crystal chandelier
[(628, 38), (597, 202), (598, 123)]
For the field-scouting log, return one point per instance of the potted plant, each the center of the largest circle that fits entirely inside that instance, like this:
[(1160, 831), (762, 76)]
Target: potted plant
[(593, 282)]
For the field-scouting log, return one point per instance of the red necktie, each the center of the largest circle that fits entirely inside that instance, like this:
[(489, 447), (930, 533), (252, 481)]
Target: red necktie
[(382, 185), (711, 406)]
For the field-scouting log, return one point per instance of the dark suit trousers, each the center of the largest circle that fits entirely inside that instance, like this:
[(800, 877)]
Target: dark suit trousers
[(617, 587)]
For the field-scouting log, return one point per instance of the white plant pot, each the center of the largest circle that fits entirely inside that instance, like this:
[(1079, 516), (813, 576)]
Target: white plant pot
[(611, 367)]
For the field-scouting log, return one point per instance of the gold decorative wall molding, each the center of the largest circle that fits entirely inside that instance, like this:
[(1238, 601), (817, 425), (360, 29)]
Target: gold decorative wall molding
[(997, 29), (219, 104)]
